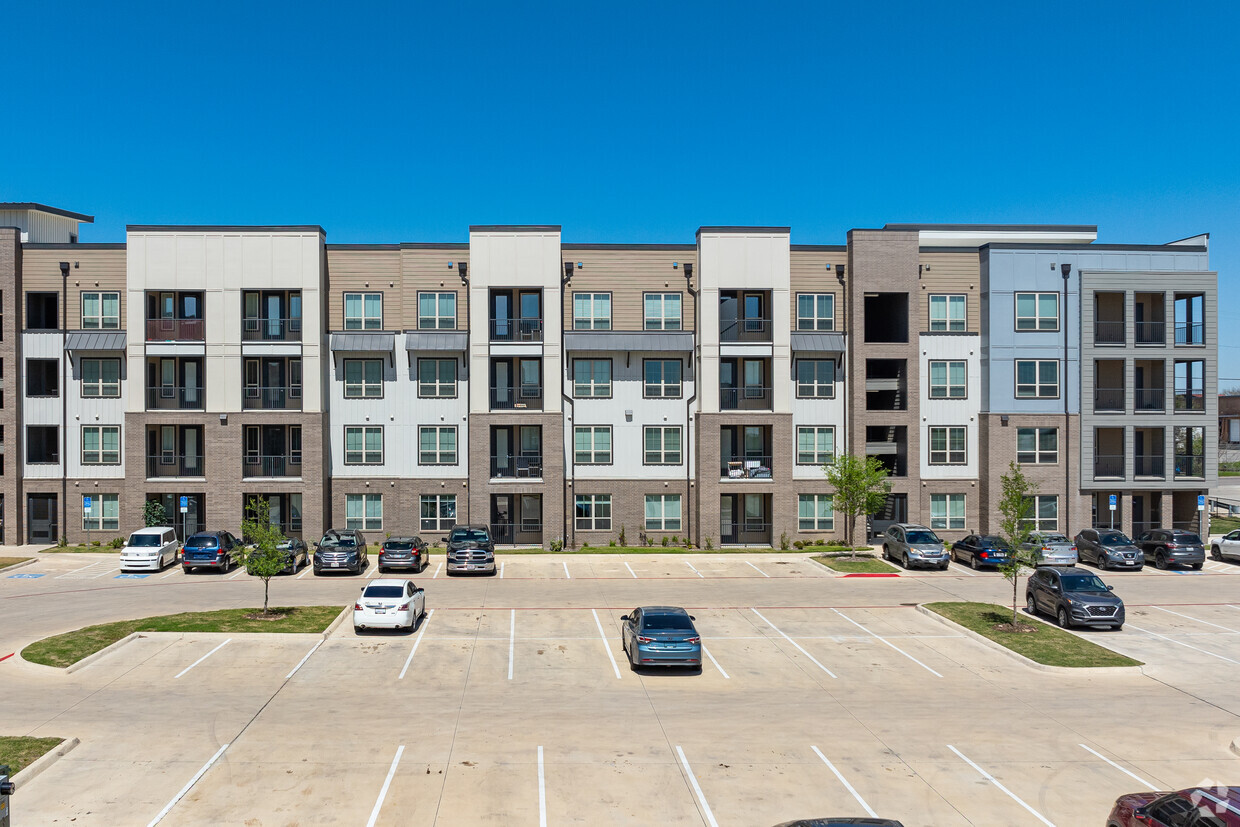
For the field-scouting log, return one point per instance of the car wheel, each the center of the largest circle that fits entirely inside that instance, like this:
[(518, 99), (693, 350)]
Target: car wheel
[(1197, 566), (973, 562), (1117, 627), (1062, 617), (187, 569), (1031, 605), (886, 553), (951, 555), (943, 567), (1215, 554), (904, 559), (1160, 560)]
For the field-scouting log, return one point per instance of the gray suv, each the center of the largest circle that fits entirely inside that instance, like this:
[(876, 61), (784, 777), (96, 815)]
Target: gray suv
[(1073, 598), (914, 545), (341, 549)]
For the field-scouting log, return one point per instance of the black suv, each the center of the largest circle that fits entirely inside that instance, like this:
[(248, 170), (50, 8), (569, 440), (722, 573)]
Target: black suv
[(341, 549), (1166, 546), (403, 553), (1108, 548), (210, 550), (470, 548), (1073, 598)]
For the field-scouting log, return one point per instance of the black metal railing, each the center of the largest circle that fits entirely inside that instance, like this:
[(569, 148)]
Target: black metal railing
[(1190, 465), (174, 465), (1189, 399), (747, 467), (749, 398), (522, 533), (175, 398), (519, 397), (1151, 399), (517, 467), (745, 330), (1151, 333), (266, 465), (1108, 465), (1108, 332), (745, 534), (517, 330), (270, 330), (1149, 465), (1190, 333), (175, 330), (276, 399), (1108, 399)]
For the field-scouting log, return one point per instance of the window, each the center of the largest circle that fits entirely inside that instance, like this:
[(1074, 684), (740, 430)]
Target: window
[(42, 311), (947, 511), (1190, 451), (1043, 513), (101, 378), (947, 446), (101, 445), (816, 512), (104, 513), (592, 378), (363, 445), (592, 311), (947, 380), (1190, 328), (42, 444), (1037, 446), (1037, 311), (1190, 393), (437, 378), (436, 311), (363, 511), (815, 311), (101, 311), (363, 378), (593, 512), (662, 378), (42, 377), (816, 445), (437, 445), (663, 512), (1037, 378), (947, 313), (815, 379), (662, 311), (662, 445), (438, 512), (363, 311), (592, 444)]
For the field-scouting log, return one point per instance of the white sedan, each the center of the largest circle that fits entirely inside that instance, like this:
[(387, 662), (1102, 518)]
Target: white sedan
[(1226, 547), (389, 604)]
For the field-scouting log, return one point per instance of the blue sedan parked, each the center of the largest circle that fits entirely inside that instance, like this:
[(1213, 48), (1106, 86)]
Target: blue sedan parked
[(661, 636), (980, 550)]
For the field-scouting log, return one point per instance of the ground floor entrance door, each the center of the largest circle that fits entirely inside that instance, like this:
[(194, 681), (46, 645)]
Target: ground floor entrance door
[(41, 515)]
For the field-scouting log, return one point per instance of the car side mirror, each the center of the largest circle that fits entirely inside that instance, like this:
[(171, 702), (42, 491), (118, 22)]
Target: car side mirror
[(624, 617), (443, 539), (691, 617), (1110, 588)]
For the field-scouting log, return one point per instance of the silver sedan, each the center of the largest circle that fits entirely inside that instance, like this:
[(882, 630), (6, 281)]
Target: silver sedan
[(1051, 549)]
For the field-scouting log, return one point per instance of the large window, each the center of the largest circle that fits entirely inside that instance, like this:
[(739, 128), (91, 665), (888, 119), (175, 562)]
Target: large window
[(104, 513), (101, 378), (363, 445), (815, 512), (816, 445), (815, 378), (437, 445), (815, 311), (101, 445), (1037, 311), (1037, 378), (1043, 513), (592, 444), (1190, 386), (1190, 451), (662, 378), (436, 311), (42, 444), (363, 511), (663, 512), (363, 378), (1037, 446), (662, 445), (42, 377), (592, 378), (592, 311), (948, 380), (438, 512), (42, 311), (947, 511), (947, 313), (101, 311), (662, 311), (363, 311), (593, 512), (436, 378), (948, 446)]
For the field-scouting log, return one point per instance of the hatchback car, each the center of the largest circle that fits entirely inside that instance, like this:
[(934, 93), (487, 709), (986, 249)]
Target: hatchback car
[(1107, 548), (1050, 548), (296, 554), (150, 549), (661, 636), (1194, 807), (1226, 547), (470, 548), (1073, 598), (403, 553), (981, 550), (914, 545), (210, 550), (389, 604), (1166, 547), (341, 549)]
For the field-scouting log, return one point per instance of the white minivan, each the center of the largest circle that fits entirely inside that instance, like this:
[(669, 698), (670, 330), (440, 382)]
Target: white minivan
[(150, 549)]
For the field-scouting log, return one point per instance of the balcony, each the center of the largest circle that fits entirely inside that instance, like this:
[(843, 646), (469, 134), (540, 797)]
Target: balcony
[(1108, 466), (744, 534), (1190, 334), (520, 330), (746, 467), (517, 467), (271, 399), (175, 330), (749, 398), (1108, 333), (1189, 465), (1110, 400), (1151, 333), (264, 465), (270, 330), (1190, 399), (745, 316), (1151, 399), (524, 533), (1149, 465), (522, 397), (745, 330), (175, 398), (171, 465)]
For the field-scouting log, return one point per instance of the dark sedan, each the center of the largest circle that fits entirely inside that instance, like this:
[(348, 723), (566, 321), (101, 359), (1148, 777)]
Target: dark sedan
[(403, 553), (981, 550), (1073, 598), (1107, 548), (1166, 547), (296, 554)]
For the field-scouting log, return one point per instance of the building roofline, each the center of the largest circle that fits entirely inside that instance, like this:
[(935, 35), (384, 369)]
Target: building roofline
[(818, 248), (1165, 248), (999, 228), (736, 229), (30, 205), (62, 245), (517, 228), (652, 247), (1187, 237), (225, 228)]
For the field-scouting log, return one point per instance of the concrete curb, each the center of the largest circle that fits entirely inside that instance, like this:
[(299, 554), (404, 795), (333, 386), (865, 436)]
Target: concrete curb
[(336, 623), (22, 564), (44, 761), (1032, 664), (107, 650)]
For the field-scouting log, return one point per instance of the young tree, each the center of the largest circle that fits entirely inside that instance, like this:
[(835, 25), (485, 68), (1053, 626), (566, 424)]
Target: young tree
[(861, 487), (1015, 513), (262, 558), (153, 514)]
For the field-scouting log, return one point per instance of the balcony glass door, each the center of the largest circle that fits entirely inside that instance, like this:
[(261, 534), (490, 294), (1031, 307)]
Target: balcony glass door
[(501, 381), (501, 315), (531, 316), (275, 315), (190, 380)]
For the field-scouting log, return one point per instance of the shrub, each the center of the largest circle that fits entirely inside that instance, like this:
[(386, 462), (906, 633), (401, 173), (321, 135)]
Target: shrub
[(153, 514), (675, 540), (116, 542), (798, 544), (709, 545), (623, 540), (664, 541), (63, 541), (783, 541), (557, 545), (96, 543), (612, 544)]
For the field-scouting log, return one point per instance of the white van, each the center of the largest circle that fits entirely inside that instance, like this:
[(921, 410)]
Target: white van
[(150, 549)]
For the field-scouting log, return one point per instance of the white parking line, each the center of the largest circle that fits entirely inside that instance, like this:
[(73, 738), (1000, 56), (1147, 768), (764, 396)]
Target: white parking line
[(566, 574), (501, 569), (1136, 778), (409, 659), (437, 568), (168, 807), (606, 646), (844, 781), (630, 568), (387, 782), (964, 569), (238, 574), (755, 568), (169, 574), (1181, 643), (305, 571), (888, 642), (512, 641), (695, 571), (373, 572), (697, 789), (542, 792), (204, 657), (1197, 620), (712, 660), (794, 643), (303, 660), (994, 781)]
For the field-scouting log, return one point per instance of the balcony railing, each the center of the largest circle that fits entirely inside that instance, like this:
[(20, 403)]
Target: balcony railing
[(1151, 399), (1108, 399), (1190, 465), (173, 465), (264, 465), (1186, 400), (745, 534), (175, 330), (748, 467), (745, 330), (1190, 334), (514, 467), (521, 397), (1151, 333), (750, 398), (1108, 332), (271, 330), (1149, 465), (175, 398), (516, 330), (273, 399), (1108, 465), (523, 533)]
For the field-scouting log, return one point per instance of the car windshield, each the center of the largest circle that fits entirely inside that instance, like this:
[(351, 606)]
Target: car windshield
[(475, 535), (202, 542), (1191, 539), (286, 544), (145, 540), (384, 591), (1082, 583), (394, 546), (666, 622), (922, 537), (1114, 538), (991, 542)]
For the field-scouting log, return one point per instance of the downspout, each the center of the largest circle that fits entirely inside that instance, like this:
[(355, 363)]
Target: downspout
[(1066, 270), (688, 443), (64, 402), (568, 527), (462, 268)]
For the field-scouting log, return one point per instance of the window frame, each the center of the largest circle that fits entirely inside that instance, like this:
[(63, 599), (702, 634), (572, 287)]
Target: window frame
[(1034, 522), (946, 521), (663, 520), (362, 321), (1037, 385), (364, 455), (949, 323), (54, 392), (54, 443), (947, 451), (364, 385), (662, 452), (817, 431), (662, 321), (100, 384), (437, 455), (1038, 451), (815, 385), (815, 320), (439, 384), (362, 523), (100, 317), (663, 385), (593, 385), (438, 319), (101, 451), (949, 386), (97, 519), (437, 501), (592, 521), (592, 299), (1037, 318), (594, 451), (816, 518)]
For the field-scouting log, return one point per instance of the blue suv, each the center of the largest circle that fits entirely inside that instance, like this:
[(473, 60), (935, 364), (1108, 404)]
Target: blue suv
[(210, 550)]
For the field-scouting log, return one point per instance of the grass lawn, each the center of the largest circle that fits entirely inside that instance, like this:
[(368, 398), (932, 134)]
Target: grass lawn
[(866, 565), (1222, 525), (82, 549), (1045, 644), (69, 648), (18, 751), (11, 561)]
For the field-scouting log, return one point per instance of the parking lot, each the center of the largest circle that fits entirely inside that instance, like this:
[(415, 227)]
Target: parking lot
[(512, 702)]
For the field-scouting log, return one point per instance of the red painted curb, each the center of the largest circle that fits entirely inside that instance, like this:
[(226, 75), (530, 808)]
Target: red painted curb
[(871, 574), (9, 655)]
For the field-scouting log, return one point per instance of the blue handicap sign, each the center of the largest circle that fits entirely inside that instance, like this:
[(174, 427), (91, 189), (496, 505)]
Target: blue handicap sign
[(25, 576), (131, 576), (185, 502), (1112, 499), (1201, 500), (86, 503)]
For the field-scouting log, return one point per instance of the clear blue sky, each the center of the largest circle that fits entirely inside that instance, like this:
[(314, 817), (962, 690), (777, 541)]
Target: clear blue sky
[(633, 122)]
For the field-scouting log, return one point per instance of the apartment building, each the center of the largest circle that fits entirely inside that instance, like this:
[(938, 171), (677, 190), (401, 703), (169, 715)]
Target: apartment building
[(573, 392)]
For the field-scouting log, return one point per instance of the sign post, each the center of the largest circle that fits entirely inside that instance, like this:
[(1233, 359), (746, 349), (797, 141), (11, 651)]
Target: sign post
[(1201, 516), (1112, 507), (86, 501)]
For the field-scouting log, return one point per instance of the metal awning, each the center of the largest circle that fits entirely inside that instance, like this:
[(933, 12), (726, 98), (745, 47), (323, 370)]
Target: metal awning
[(818, 342), (435, 340), (363, 342), (655, 341), (95, 340)]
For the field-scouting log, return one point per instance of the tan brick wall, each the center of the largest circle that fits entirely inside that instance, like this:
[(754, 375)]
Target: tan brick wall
[(14, 510), (628, 509), (998, 447), (402, 502), (552, 485)]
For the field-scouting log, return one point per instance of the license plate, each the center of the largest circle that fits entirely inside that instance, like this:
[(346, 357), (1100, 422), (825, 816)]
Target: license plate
[(380, 611), (334, 565)]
